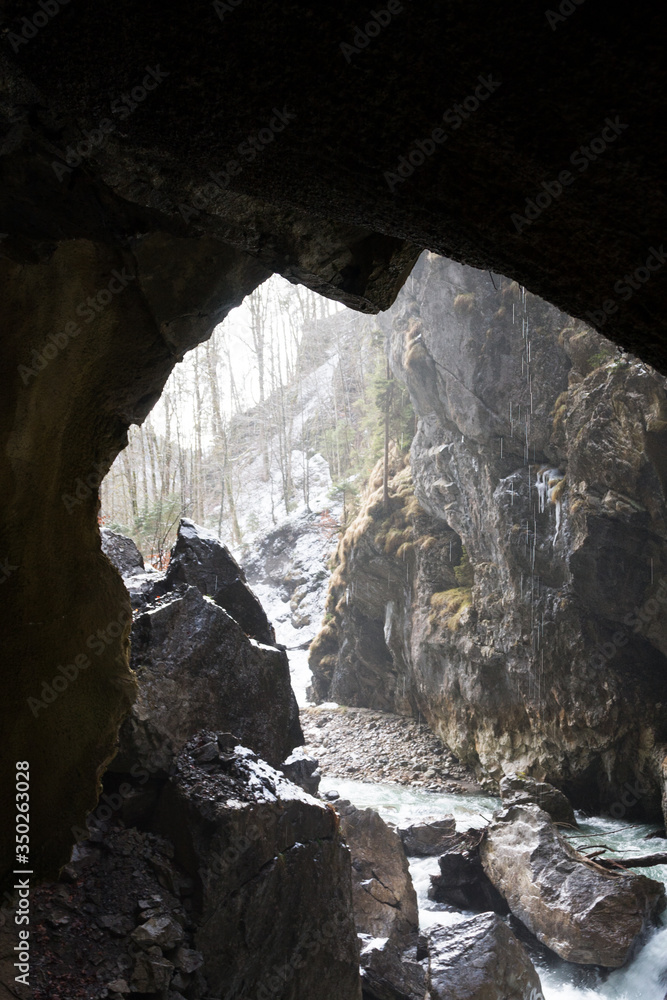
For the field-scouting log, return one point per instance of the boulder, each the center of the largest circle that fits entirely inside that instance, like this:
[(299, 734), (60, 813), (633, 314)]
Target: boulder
[(462, 881), (152, 972), (585, 914), (274, 893), (302, 770), (163, 932), (479, 959), (200, 560), (143, 587), (519, 790), (428, 839), (389, 972), (385, 902), (121, 552), (196, 666)]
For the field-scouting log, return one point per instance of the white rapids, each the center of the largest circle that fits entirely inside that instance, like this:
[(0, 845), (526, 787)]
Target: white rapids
[(645, 978)]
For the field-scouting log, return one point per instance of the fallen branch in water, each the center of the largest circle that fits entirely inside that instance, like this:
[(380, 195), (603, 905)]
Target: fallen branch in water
[(647, 861)]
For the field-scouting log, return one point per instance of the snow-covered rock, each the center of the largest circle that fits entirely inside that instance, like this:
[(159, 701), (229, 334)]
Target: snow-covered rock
[(288, 570), (274, 876), (196, 666), (201, 560)]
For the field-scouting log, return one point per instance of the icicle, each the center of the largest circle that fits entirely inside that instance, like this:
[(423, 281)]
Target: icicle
[(558, 510), (532, 604), (501, 447), (541, 487), (388, 615), (450, 550)]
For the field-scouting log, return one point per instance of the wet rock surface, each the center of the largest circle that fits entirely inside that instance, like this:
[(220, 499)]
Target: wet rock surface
[(660, 758), (585, 914), (377, 746), (122, 552), (258, 848), (211, 874), (196, 666), (391, 972), (199, 559), (462, 881), (142, 587), (516, 790), (303, 770), (385, 902), (190, 908), (427, 839), (198, 662), (485, 597), (479, 959)]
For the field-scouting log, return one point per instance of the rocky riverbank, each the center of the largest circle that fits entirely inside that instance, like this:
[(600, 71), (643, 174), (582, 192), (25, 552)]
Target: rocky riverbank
[(368, 745)]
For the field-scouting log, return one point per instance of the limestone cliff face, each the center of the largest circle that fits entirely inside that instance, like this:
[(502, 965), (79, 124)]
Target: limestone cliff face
[(541, 456)]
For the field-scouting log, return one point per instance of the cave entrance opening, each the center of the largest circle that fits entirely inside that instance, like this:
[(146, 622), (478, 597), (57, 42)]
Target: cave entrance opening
[(265, 435)]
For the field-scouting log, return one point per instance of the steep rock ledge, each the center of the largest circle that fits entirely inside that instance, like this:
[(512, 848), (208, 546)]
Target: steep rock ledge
[(540, 452)]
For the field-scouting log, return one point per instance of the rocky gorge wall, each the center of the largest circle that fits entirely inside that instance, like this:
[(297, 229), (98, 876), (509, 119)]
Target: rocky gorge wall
[(97, 184), (517, 600)]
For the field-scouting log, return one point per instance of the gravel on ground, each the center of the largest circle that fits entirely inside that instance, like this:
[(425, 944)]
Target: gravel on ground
[(368, 745)]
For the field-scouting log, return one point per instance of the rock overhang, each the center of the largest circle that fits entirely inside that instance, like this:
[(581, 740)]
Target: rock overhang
[(278, 137)]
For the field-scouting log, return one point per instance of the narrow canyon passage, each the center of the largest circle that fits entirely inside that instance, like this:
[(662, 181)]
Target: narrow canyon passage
[(377, 633)]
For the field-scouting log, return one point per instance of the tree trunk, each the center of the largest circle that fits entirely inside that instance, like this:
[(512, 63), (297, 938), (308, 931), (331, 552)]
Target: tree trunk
[(385, 471)]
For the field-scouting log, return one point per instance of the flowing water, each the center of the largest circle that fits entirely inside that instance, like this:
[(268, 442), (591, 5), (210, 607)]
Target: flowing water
[(643, 979)]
